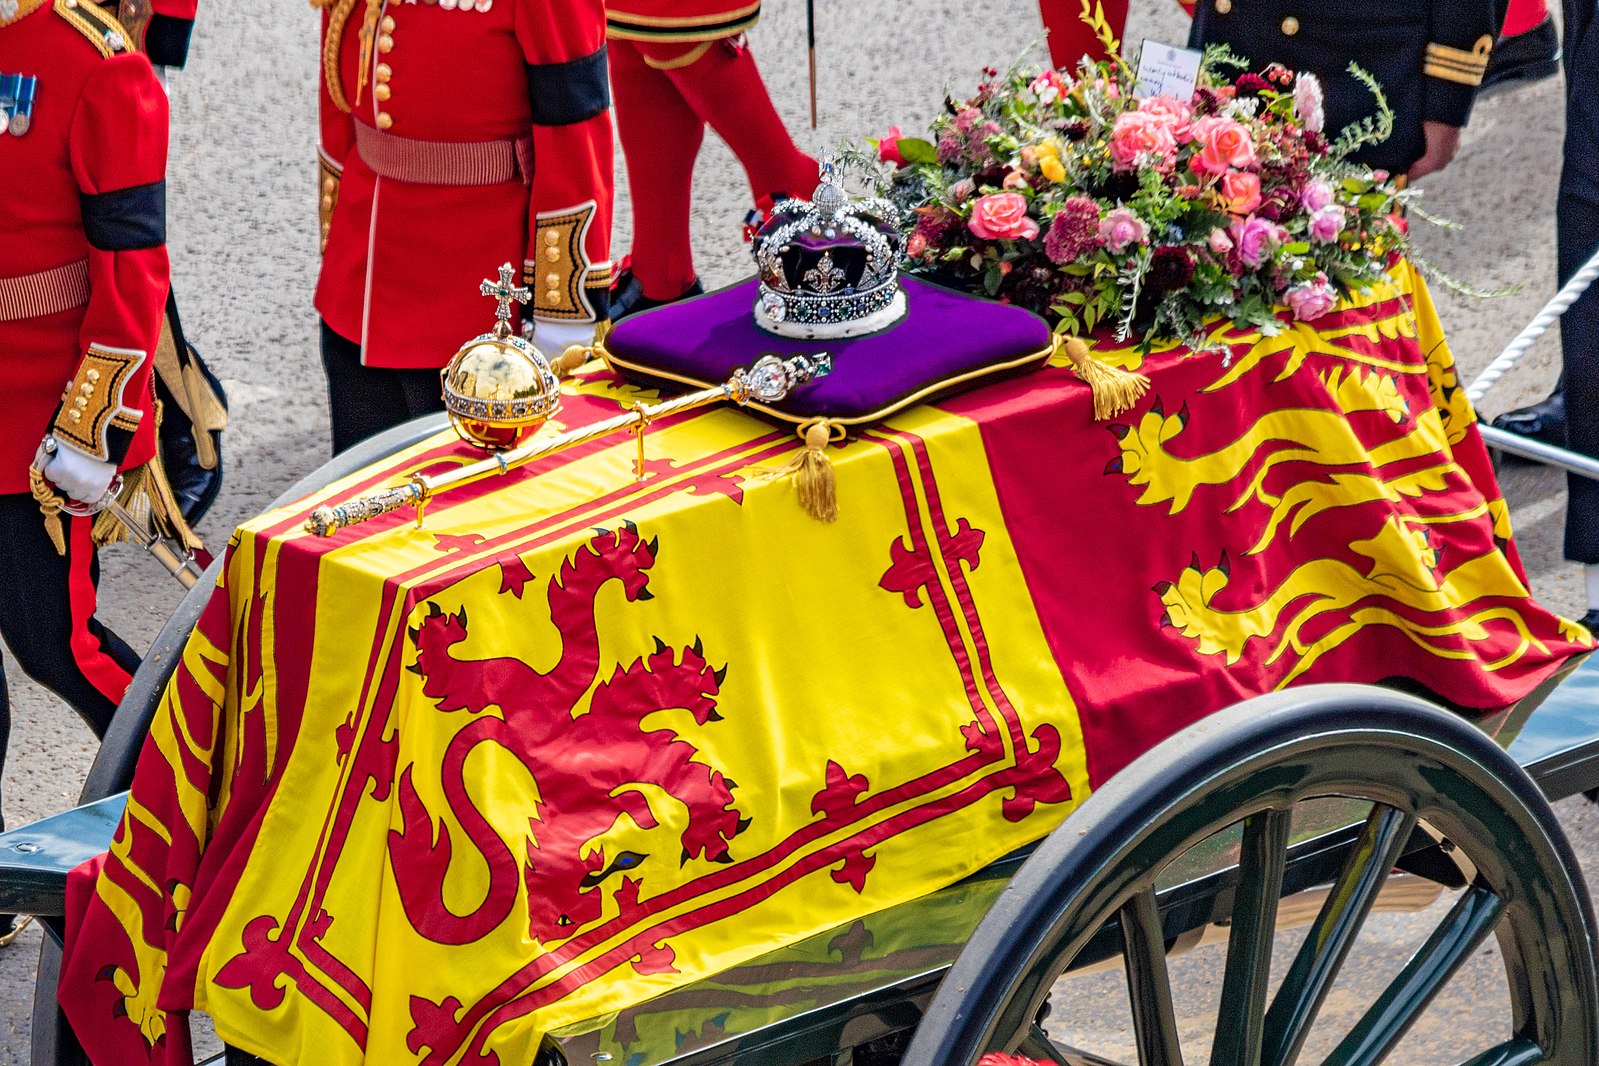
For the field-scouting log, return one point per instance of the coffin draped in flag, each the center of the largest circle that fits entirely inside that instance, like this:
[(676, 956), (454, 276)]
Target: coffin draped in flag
[(422, 795)]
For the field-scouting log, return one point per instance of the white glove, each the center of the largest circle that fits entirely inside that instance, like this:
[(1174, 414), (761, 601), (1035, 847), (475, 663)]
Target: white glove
[(80, 476), (553, 338)]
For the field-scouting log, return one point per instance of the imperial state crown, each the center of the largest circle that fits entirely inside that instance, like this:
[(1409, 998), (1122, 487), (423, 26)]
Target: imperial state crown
[(828, 266)]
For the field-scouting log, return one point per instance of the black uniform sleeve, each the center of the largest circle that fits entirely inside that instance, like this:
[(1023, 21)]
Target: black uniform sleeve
[(1462, 39)]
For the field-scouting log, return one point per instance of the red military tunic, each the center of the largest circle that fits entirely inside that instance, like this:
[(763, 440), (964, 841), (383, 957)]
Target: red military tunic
[(482, 136), (83, 262)]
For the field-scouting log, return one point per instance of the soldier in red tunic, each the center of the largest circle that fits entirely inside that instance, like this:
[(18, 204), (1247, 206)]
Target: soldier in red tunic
[(83, 282), (677, 66), (456, 135)]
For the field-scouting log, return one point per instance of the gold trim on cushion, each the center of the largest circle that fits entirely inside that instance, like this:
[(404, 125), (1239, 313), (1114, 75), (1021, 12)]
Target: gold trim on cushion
[(557, 269), (1458, 65), (93, 403), (1031, 359)]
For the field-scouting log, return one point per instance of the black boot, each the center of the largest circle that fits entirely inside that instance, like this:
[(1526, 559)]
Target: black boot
[(1527, 57), (1544, 421), (627, 295)]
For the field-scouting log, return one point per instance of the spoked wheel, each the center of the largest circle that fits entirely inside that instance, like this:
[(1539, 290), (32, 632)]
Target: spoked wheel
[(1096, 878)]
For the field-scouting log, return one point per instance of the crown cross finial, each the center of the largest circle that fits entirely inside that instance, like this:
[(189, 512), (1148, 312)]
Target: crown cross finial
[(505, 292)]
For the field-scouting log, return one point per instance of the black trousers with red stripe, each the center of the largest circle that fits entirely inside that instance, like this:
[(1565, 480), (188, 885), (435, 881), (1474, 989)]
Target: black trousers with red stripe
[(47, 617)]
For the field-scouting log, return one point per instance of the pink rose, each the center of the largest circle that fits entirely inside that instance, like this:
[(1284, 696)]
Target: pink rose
[(916, 246), (1225, 145), (1327, 224), (1002, 216), (888, 147), (1256, 238), (1177, 114), (1239, 191), (1311, 300), (1220, 243), (1138, 138), (1122, 227), (1317, 195)]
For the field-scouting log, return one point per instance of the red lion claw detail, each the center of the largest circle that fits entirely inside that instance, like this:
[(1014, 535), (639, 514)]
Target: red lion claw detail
[(591, 768), (514, 575)]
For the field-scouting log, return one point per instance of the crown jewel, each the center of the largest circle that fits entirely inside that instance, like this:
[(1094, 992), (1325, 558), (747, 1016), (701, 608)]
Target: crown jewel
[(828, 266)]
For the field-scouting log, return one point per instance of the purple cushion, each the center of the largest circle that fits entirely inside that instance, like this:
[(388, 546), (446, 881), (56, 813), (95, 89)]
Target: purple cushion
[(947, 341)]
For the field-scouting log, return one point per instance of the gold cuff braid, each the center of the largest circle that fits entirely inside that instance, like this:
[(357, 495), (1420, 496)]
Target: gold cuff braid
[(558, 270), (1457, 64)]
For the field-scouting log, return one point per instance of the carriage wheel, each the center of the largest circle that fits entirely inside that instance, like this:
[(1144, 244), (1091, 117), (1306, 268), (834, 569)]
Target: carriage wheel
[(1249, 765)]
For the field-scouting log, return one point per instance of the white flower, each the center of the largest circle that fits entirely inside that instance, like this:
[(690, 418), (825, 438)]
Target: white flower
[(1241, 109), (1308, 102)]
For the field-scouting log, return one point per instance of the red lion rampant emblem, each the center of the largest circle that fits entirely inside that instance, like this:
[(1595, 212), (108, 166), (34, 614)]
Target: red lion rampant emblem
[(591, 768)]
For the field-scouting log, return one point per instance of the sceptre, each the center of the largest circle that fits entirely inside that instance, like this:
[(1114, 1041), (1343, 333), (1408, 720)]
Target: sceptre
[(810, 49), (768, 380)]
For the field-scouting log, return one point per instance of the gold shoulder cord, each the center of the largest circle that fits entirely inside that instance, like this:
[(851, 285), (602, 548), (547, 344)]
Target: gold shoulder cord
[(331, 46)]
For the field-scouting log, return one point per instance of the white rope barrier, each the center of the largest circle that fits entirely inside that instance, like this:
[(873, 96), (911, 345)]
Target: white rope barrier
[(1540, 324)]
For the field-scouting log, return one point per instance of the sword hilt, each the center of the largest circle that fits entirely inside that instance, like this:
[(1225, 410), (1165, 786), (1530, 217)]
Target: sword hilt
[(325, 521)]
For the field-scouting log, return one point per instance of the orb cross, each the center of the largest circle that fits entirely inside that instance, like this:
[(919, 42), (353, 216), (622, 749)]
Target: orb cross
[(505, 292)]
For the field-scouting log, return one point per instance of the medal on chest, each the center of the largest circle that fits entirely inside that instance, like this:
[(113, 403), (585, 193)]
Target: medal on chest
[(17, 92)]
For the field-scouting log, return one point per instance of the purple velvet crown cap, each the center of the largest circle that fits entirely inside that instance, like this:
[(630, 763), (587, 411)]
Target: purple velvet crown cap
[(946, 341)]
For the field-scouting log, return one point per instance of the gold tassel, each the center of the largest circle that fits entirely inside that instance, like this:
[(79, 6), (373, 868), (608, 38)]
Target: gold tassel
[(49, 506), (1115, 390), (147, 497), (813, 471), (577, 355)]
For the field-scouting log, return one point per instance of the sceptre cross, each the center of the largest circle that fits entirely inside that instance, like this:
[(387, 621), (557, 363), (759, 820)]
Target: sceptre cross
[(505, 292)]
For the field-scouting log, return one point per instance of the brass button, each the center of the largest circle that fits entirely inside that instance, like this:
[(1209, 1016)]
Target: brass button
[(1290, 26), (81, 401), (385, 120), (385, 43), (552, 254), (87, 388), (384, 72), (382, 92), (92, 374), (553, 280), (76, 416), (1223, 6), (387, 25), (551, 238)]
